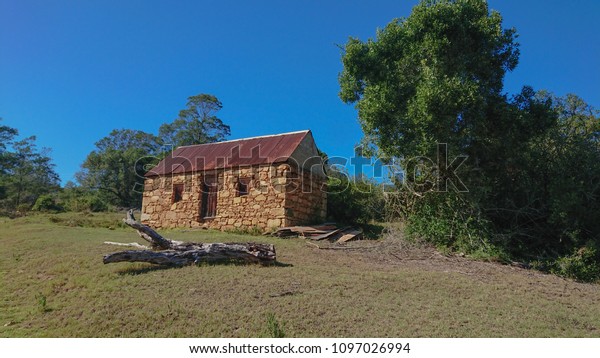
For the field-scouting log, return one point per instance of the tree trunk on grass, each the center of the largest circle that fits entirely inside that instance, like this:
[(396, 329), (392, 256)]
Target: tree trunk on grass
[(178, 253), (147, 233)]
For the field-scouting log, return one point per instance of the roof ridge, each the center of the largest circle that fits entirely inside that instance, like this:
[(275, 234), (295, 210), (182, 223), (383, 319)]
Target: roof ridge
[(240, 139)]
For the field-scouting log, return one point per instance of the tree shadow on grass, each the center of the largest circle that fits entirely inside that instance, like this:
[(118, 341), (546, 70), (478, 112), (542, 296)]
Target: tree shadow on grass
[(142, 269), (244, 263), (280, 264), (372, 231), (138, 269)]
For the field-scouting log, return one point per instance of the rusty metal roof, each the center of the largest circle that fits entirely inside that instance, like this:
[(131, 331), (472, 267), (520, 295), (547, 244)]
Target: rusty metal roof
[(240, 152)]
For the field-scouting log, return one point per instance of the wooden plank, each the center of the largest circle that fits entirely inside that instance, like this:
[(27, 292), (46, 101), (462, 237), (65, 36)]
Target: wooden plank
[(329, 234), (306, 231), (325, 227), (349, 236), (312, 229)]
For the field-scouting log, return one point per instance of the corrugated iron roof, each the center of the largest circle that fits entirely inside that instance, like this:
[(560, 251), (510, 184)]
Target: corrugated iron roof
[(239, 152)]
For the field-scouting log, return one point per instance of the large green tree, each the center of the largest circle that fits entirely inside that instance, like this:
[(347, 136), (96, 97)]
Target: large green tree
[(196, 124), (436, 77), (428, 78), (117, 165)]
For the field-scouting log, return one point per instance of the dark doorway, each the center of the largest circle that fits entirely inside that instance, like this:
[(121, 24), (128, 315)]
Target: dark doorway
[(209, 198), (177, 193)]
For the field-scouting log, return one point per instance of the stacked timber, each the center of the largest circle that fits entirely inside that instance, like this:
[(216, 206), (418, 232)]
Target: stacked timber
[(326, 231)]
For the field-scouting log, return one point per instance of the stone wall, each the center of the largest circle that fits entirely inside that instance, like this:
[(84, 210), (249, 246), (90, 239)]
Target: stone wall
[(158, 208), (306, 198), (276, 198)]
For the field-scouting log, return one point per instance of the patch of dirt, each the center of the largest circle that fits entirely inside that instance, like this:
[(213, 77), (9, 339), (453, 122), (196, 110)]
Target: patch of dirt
[(394, 252)]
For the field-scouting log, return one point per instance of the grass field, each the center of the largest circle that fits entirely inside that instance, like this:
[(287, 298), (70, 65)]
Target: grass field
[(53, 284)]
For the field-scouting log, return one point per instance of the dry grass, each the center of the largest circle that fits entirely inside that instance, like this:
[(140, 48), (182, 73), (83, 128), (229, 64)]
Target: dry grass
[(388, 288)]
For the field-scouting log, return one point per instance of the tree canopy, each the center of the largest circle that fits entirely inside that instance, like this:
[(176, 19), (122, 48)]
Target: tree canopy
[(196, 124), (117, 166), (429, 77)]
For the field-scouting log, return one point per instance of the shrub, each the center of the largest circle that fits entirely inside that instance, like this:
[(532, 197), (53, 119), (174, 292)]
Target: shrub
[(95, 204), (79, 200), (582, 265), (46, 203), (354, 200), (448, 220), (23, 209)]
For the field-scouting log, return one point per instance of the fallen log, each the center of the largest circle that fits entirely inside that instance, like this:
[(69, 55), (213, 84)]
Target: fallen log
[(260, 253), (177, 253), (148, 234)]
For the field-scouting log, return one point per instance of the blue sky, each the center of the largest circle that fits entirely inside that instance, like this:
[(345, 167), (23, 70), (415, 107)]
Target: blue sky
[(71, 71)]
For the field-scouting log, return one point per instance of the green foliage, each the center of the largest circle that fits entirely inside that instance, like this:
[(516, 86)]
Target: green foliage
[(7, 134), (582, 265), (274, 328), (428, 78), (46, 202), (442, 224), (25, 172), (79, 199), (197, 124), (22, 209), (533, 158), (95, 204), (116, 168), (353, 200)]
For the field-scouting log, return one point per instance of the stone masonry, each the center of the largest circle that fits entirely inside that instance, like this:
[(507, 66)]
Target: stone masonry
[(278, 195)]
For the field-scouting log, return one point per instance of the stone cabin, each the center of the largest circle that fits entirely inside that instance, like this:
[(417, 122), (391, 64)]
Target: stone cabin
[(261, 182)]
